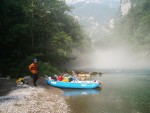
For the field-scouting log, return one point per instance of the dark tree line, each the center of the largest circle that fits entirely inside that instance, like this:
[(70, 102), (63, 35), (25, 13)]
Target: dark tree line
[(37, 28)]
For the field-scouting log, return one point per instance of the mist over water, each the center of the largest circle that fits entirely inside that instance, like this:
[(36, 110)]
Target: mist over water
[(110, 58), (122, 56), (110, 50)]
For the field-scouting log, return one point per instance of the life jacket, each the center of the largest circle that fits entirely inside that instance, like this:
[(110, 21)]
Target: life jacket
[(19, 80), (33, 68), (60, 78), (66, 79)]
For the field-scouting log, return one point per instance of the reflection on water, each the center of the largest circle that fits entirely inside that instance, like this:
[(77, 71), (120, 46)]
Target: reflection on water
[(80, 92), (122, 92)]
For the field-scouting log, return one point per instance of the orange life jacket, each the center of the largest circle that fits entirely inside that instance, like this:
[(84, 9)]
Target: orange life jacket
[(33, 68)]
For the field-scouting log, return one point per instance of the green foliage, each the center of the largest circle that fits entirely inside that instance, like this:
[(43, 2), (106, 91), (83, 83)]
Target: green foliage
[(45, 68), (36, 28), (134, 27)]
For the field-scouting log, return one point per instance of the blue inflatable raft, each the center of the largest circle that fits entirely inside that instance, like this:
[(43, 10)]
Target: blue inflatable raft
[(74, 84)]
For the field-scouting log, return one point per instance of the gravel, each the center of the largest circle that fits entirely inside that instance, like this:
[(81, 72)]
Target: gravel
[(33, 100)]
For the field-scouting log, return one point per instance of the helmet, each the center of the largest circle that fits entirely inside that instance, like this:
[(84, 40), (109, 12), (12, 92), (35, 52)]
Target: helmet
[(34, 60)]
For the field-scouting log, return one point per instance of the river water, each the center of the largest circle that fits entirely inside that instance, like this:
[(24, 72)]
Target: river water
[(122, 91)]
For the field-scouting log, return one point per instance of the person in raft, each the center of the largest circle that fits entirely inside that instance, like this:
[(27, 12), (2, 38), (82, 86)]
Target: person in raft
[(33, 68), (60, 77)]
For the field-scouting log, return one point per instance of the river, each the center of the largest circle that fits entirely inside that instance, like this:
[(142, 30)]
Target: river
[(122, 91)]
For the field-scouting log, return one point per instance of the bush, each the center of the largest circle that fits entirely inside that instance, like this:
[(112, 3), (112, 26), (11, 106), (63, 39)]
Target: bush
[(45, 68)]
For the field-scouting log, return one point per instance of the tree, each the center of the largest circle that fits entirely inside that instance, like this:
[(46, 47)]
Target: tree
[(37, 28), (134, 27)]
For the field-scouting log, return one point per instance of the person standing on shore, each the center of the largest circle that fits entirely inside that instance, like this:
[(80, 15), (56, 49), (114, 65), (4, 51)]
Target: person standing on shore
[(33, 68)]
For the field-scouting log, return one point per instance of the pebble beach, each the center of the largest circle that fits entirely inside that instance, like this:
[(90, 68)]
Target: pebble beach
[(40, 99)]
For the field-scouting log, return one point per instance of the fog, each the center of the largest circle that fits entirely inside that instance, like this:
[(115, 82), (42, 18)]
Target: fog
[(107, 52), (110, 58)]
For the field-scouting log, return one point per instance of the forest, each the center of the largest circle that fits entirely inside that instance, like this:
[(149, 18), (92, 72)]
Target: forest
[(46, 30), (42, 29), (134, 28)]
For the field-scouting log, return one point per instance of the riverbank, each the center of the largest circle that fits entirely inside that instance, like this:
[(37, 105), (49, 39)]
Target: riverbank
[(32, 99)]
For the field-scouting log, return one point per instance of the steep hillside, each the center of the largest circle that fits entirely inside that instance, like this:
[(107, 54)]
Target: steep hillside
[(95, 16)]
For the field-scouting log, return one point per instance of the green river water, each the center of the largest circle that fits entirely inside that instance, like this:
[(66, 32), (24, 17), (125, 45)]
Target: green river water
[(121, 92)]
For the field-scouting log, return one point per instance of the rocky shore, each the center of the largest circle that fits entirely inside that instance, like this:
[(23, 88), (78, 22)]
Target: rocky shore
[(40, 99)]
